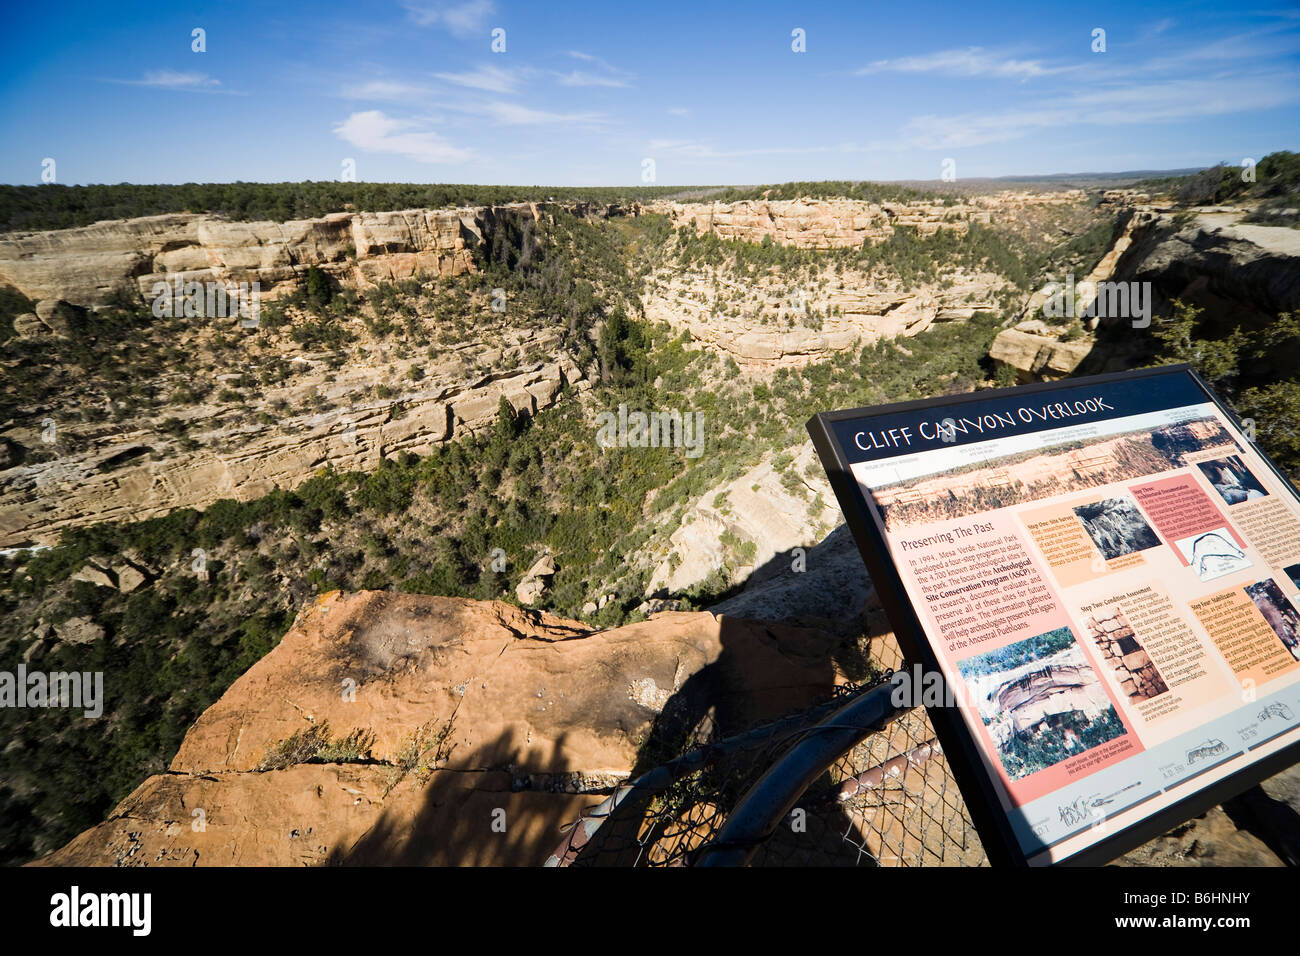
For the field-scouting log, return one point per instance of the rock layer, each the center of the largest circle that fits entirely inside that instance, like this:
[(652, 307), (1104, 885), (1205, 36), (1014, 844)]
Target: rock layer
[(845, 223), (529, 714), (133, 477), (771, 332), (92, 265)]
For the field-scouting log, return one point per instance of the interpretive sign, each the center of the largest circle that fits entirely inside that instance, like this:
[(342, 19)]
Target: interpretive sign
[(1105, 574)]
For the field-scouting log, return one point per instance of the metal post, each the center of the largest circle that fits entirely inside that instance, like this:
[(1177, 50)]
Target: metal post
[(767, 803)]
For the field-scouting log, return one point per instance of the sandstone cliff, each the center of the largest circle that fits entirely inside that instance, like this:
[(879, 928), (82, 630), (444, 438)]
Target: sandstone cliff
[(471, 708), (479, 732), (129, 475), (1239, 273), (764, 323), (1214, 259), (847, 223), (89, 266)]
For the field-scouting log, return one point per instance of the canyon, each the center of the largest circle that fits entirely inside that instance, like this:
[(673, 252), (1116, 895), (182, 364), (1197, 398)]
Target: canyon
[(470, 707), (109, 471), (490, 732)]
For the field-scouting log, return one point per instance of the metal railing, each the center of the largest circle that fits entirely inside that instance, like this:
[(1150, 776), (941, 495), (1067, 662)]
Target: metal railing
[(851, 781)]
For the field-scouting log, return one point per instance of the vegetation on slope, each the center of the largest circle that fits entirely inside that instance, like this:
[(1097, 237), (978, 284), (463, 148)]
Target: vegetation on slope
[(1256, 371), (862, 190), (434, 524), (54, 206), (1275, 189)]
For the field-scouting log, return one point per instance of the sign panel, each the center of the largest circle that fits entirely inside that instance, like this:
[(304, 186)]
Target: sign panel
[(1106, 573)]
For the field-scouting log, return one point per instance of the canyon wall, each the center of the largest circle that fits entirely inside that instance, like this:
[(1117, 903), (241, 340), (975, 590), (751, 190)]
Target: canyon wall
[(762, 330), (92, 265), (1238, 273), (471, 707), (846, 223), (133, 474)]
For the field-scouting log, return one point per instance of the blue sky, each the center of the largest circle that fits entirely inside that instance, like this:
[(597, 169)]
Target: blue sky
[(586, 92)]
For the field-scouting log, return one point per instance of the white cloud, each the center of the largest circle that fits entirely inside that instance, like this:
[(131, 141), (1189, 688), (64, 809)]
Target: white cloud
[(514, 114), (177, 80), (376, 132), (173, 80), (1171, 100), (972, 61), (606, 74), (679, 111), (580, 78), (461, 19), (491, 78), (384, 90), (589, 58)]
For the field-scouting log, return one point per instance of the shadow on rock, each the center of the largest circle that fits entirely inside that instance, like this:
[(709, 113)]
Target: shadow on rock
[(505, 814)]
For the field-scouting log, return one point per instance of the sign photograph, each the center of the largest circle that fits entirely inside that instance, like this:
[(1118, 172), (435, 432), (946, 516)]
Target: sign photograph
[(1105, 572)]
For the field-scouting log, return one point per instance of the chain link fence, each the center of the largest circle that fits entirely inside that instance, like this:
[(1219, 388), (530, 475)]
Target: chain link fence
[(888, 800)]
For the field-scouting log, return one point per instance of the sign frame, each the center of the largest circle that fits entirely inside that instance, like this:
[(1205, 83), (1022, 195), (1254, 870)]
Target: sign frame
[(962, 749)]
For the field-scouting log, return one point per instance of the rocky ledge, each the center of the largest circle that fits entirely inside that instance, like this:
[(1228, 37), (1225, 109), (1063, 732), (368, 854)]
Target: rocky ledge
[(405, 729), (459, 712)]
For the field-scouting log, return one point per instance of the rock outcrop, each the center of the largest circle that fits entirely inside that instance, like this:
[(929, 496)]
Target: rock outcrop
[(1234, 269), (92, 265), (1037, 352), (765, 325), (536, 580), (480, 730), (129, 477), (1237, 272), (845, 223), (474, 712)]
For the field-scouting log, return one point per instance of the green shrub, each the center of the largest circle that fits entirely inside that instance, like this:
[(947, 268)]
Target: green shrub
[(315, 745)]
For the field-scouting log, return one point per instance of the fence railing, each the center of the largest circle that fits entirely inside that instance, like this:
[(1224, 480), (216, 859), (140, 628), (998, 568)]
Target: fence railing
[(852, 781)]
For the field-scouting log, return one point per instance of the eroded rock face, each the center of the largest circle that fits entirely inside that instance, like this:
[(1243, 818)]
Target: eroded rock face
[(1036, 356), (91, 265), (133, 477), (1238, 273), (845, 223), (772, 513), (765, 325), (532, 713), (1218, 261)]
